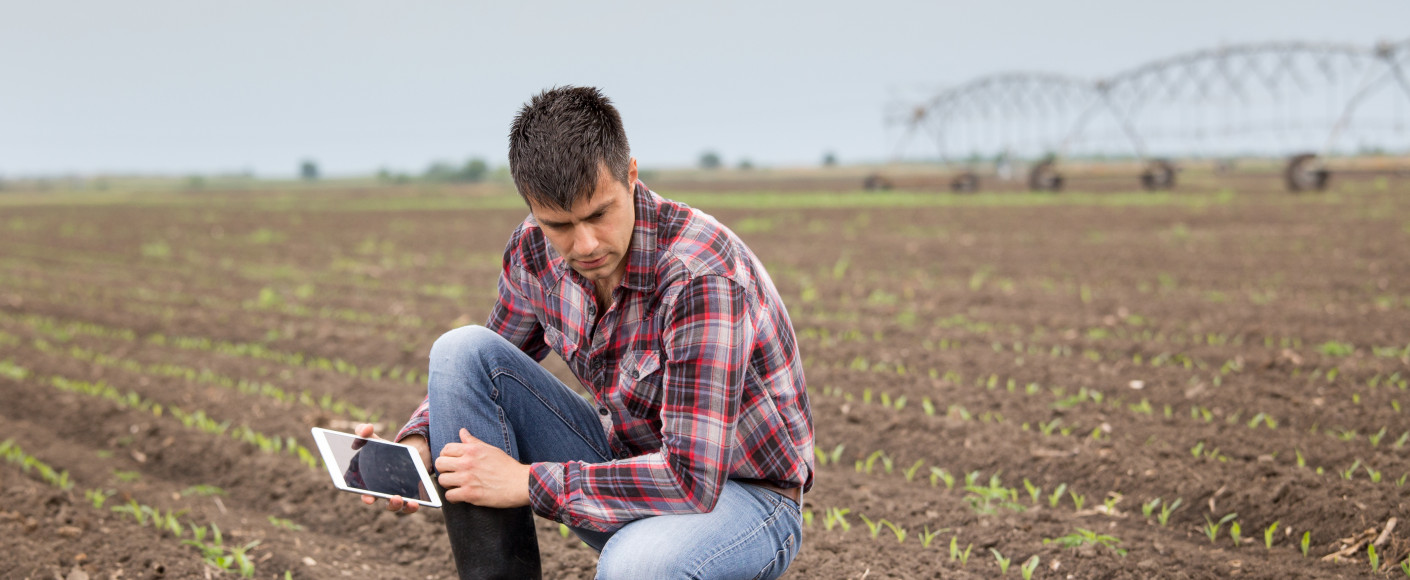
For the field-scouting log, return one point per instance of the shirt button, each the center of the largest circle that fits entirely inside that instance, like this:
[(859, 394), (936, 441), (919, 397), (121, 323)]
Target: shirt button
[(602, 411), (597, 364)]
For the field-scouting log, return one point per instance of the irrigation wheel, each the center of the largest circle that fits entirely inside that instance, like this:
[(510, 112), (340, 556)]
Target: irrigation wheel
[(1044, 177), (1158, 175), (1306, 173)]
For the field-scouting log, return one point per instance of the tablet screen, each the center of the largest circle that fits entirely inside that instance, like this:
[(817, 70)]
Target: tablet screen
[(371, 465)]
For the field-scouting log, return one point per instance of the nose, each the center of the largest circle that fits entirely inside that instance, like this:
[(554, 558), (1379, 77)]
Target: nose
[(584, 242)]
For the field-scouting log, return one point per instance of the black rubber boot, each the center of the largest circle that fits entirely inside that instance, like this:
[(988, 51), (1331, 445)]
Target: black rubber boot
[(491, 543)]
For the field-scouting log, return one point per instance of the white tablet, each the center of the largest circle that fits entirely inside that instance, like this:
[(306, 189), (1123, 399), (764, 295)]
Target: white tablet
[(375, 467)]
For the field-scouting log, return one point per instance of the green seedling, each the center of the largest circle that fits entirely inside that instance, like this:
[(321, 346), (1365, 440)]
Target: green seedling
[(807, 518), (1306, 542), (939, 474), (1268, 535), (286, 524), (97, 497), (1236, 533), (1084, 536), (1057, 495), (127, 476), (1374, 557), (563, 530), (927, 536), (203, 490), (836, 454), (964, 556), (896, 530), (1300, 461), (1167, 509), (873, 527), (1374, 475), (927, 406), (1211, 528), (1149, 507), (911, 471), (1033, 490), (1405, 567), (836, 517), (1029, 567), (1376, 439), (1351, 470), (1003, 562), (1077, 500)]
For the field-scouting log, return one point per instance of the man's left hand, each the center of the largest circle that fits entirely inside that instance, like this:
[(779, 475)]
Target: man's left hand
[(478, 473)]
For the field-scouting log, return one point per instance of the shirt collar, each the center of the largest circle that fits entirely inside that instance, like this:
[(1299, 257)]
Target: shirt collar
[(641, 258)]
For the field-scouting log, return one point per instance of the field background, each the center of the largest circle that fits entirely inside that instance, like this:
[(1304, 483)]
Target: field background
[(164, 350)]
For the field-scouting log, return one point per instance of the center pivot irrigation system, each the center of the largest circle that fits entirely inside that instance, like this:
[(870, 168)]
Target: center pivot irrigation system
[(1309, 101)]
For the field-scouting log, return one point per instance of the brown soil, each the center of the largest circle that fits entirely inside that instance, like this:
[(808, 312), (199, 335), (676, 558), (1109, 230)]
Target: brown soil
[(1219, 345)]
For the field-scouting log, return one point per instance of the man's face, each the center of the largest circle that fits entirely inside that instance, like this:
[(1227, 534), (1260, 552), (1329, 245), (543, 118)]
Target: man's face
[(594, 237)]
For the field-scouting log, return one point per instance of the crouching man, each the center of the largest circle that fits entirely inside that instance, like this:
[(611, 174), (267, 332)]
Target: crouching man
[(691, 458)]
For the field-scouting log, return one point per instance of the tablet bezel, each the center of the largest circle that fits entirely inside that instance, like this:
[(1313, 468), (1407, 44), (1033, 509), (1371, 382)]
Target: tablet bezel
[(326, 450)]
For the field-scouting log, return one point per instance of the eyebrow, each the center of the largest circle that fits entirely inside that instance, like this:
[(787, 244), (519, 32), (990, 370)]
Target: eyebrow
[(597, 212)]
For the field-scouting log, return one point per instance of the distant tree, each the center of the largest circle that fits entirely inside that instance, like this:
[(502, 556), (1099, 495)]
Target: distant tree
[(710, 160), (829, 159), (474, 170), (308, 170), (745, 164)]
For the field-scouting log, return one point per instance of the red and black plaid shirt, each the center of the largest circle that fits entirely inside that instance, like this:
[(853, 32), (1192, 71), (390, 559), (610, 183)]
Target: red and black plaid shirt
[(695, 368)]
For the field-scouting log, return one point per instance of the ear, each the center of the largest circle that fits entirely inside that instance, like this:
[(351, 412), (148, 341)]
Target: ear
[(631, 173)]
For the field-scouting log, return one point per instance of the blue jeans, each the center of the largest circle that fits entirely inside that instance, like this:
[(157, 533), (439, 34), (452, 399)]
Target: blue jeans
[(483, 383)]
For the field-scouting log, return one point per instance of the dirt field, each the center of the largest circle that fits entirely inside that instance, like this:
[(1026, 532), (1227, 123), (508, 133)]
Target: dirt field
[(998, 377)]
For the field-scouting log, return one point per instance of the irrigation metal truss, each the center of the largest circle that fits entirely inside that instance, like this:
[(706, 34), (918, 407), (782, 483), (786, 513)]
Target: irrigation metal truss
[(1312, 102)]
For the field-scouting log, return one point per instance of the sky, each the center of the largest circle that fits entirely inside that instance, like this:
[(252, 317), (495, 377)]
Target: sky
[(182, 87)]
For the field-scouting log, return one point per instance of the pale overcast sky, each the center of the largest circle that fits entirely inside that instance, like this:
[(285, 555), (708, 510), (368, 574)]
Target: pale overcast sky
[(187, 86)]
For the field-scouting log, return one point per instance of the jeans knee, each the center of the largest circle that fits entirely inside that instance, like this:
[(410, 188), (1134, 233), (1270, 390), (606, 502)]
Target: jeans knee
[(654, 557), (458, 351)]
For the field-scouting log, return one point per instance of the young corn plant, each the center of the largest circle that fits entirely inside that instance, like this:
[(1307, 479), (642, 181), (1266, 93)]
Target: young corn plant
[(1003, 562), (1374, 557), (1149, 507), (835, 516), (873, 527), (1084, 536), (1168, 509), (1029, 567), (1033, 490), (1057, 495), (927, 536), (1306, 543), (938, 474), (911, 471), (896, 530), (1078, 500), (1211, 528), (1236, 533), (1268, 535)]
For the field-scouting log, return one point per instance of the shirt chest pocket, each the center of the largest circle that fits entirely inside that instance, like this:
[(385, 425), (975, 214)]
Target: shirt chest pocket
[(639, 377), (561, 343)]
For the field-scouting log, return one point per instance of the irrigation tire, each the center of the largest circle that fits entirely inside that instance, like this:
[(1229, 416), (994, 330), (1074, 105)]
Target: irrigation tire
[(1158, 175), (1044, 177), (967, 182), (1305, 173)]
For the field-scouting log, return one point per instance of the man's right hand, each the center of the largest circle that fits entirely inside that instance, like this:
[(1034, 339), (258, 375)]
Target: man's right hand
[(417, 442)]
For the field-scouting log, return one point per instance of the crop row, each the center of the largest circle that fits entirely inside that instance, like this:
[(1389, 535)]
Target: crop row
[(55, 327), (196, 420), (213, 550)]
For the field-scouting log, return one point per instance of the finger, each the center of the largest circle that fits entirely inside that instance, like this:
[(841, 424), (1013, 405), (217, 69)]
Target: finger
[(454, 450), (394, 503), (369, 500), (465, 436), (363, 430), (411, 507)]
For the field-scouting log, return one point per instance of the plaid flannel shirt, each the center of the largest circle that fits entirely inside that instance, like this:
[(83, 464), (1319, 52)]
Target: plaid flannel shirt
[(694, 368)]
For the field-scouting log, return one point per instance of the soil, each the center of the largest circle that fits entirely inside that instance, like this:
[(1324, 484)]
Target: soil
[(1233, 346)]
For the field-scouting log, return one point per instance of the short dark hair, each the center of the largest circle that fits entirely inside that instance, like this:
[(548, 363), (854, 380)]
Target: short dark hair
[(559, 140)]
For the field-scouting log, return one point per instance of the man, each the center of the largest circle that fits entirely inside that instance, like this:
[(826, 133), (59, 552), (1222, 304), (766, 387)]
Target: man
[(692, 458)]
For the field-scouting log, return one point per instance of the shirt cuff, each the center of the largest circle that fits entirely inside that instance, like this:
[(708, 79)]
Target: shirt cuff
[(546, 484)]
